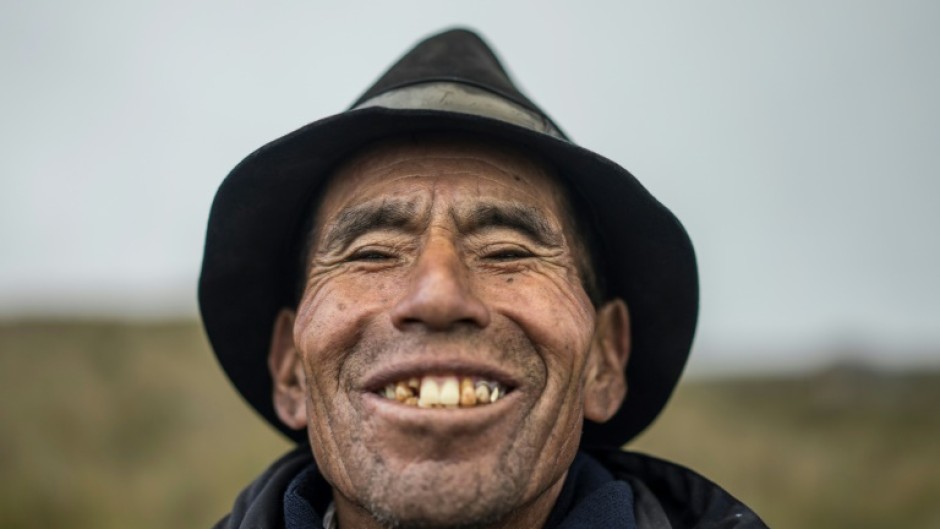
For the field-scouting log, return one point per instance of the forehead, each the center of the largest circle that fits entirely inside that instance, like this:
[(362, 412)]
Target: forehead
[(448, 168)]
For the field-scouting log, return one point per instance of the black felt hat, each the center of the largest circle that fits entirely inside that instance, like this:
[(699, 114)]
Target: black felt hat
[(448, 82)]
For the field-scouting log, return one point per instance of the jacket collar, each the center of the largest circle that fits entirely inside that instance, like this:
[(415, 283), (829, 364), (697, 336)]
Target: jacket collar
[(664, 495), (670, 496)]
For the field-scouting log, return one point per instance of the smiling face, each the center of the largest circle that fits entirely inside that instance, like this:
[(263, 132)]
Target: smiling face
[(452, 263)]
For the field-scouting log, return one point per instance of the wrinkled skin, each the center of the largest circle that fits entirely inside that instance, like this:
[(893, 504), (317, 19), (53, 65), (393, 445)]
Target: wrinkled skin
[(437, 284)]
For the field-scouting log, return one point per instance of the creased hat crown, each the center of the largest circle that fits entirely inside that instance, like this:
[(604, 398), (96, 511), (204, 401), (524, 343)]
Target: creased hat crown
[(458, 56)]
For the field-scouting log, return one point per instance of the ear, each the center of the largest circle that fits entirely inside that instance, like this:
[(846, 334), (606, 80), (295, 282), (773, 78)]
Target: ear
[(606, 383), (287, 373)]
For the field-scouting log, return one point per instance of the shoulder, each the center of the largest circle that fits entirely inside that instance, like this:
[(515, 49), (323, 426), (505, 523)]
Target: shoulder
[(261, 503), (670, 496)]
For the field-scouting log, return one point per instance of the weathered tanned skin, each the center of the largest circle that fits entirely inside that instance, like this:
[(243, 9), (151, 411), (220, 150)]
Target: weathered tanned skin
[(445, 256)]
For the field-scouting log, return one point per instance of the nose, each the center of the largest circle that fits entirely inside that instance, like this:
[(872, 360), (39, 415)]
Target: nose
[(438, 295)]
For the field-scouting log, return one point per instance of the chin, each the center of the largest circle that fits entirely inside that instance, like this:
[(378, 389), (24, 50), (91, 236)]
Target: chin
[(442, 494), (432, 506)]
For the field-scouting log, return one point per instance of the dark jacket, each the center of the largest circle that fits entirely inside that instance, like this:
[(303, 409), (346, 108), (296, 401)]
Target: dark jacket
[(665, 495), (670, 496)]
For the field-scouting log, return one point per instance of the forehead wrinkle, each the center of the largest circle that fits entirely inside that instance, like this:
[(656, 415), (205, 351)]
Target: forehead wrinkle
[(515, 179), (526, 175)]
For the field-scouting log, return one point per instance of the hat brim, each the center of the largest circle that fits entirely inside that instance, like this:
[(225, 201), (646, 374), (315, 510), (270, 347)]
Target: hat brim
[(248, 266)]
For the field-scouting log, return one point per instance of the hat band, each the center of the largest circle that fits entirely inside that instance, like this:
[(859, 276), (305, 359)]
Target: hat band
[(462, 99)]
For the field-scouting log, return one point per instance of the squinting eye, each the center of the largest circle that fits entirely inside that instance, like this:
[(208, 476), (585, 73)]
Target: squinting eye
[(370, 255), (508, 254)]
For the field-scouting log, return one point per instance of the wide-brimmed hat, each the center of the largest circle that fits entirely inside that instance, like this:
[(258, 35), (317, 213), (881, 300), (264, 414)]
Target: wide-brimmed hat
[(449, 82)]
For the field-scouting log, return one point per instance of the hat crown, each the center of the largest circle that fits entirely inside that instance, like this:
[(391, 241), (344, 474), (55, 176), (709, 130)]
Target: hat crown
[(457, 56)]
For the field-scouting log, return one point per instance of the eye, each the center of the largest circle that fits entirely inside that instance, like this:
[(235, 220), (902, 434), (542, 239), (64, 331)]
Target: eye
[(512, 253), (370, 255)]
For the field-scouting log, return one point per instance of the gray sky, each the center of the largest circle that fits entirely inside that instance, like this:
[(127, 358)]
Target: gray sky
[(798, 141)]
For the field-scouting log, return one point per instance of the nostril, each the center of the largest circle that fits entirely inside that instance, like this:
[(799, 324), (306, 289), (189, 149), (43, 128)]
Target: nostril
[(438, 324), (439, 309), (440, 315)]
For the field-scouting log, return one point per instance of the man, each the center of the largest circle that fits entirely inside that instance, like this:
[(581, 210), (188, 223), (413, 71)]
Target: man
[(459, 314)]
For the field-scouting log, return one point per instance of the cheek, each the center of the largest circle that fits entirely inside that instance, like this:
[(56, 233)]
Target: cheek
[(330, 321), (555, 314), (558, 319), (337, 305), (331, 318)]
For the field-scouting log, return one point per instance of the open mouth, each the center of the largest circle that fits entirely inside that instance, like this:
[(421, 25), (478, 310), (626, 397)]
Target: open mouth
[(445, 391)]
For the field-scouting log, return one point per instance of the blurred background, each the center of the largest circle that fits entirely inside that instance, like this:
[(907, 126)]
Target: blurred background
[(797, 141)]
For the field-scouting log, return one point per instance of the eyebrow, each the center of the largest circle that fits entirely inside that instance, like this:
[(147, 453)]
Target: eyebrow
[(375, 215), (528, 220)]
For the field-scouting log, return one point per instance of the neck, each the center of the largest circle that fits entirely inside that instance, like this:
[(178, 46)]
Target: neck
[(530, 515)]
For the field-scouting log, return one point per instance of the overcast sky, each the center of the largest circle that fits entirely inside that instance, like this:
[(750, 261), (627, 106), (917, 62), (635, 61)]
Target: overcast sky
[(798, 141)]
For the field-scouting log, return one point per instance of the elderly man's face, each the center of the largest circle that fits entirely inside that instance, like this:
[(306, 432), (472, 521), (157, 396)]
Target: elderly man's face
[(448, 261)]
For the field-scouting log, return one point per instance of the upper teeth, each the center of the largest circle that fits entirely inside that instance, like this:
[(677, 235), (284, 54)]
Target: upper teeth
[(444, 391)]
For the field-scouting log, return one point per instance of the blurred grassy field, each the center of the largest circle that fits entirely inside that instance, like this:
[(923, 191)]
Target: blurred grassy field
[(106, 425)]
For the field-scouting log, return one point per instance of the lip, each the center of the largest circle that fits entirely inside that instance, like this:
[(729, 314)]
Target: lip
[(403, 370), (439, 420)]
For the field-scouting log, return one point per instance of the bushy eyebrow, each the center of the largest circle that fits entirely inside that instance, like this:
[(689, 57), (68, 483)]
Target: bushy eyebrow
[(356, 221), (528, 220)]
